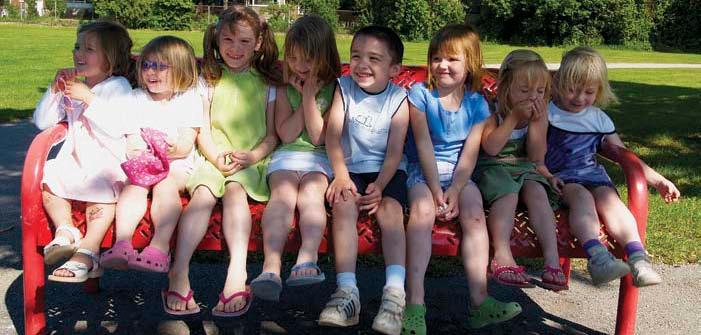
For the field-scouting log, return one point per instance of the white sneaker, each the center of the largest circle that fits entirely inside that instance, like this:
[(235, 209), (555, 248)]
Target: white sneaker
[(641, 268), (343, 310), (389, 317)]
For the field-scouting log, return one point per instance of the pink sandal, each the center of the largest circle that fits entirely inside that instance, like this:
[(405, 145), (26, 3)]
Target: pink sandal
[(553, 284), (118, 256), (498, 274), (185, 299), (224, 300), (150, 259)]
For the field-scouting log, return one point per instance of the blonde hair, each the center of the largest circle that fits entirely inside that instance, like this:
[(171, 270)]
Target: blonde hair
[(312, 37), (264, 59), (520, 65), (455, 39), (178, 54), (115, 43), (583, 66)]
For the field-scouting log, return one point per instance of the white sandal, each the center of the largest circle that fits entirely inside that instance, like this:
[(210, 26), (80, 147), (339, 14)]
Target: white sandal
[(81, 272), (61, 248)]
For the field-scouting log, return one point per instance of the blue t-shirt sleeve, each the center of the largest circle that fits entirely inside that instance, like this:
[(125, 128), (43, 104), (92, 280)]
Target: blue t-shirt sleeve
[(480, 108), (417, 97)]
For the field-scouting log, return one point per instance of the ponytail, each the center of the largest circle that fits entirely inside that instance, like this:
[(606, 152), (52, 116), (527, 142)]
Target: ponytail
[(211, 62), (266, 57)]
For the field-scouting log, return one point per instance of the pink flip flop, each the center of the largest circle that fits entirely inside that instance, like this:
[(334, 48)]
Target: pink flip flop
[(118, 256), (150, 259), (224, 300), (185, 299)]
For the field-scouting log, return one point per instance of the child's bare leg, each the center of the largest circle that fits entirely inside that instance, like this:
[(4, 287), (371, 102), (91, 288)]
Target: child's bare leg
[(59, 211), (501, 224), (131, 208), (191, 229), (542, 219), (475, 243), (418, 236), (345, 234), (584, 221), (99, 218), (619, 221), (166, 208), (277, 218), (236, 226), (312, 218)]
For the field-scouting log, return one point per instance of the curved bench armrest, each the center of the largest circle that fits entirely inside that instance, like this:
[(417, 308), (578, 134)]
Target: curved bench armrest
[(635, 179), (32, 208)]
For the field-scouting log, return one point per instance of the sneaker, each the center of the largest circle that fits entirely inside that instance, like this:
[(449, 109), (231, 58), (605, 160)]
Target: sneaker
[(643, 273), (389, 317), (492, 311), (343, 309), (603, 267)]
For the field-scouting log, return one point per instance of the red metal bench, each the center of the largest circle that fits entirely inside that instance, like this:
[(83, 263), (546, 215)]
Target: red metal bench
[(36, 231)]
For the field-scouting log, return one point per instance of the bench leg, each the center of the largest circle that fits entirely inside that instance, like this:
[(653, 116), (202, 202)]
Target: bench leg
[(627, 306), (566, 266), (34, 294)]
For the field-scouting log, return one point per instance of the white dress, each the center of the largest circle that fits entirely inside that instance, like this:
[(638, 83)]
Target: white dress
[(87, 166)]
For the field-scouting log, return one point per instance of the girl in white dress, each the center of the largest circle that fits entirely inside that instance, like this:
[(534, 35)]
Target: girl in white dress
[(87, 166)]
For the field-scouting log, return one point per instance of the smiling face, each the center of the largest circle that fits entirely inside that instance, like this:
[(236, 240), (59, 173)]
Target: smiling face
[(238, 47), (448, 71), (156, 75), (89, 59), (521, 90), (371, 64), (577, 99), (300, 65)]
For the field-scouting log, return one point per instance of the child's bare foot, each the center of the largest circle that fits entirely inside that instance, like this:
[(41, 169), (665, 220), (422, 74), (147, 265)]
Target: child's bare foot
[(179, 284), (505, 271), (236, 304)]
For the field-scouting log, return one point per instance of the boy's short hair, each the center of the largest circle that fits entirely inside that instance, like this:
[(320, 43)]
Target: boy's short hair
[(394, 44)]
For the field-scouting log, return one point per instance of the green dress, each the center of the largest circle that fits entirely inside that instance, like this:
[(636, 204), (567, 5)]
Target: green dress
[(238, 121), (505, 173), (323, 102)]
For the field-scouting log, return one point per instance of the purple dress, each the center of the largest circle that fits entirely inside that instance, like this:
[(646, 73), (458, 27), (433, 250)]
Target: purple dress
[(573, 141)]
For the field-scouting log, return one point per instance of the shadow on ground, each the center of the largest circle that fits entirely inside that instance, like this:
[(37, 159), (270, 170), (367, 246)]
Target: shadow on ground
[(129, 303)]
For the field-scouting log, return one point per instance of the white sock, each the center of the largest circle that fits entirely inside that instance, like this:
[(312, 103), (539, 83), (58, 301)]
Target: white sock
[(395, 276), (346, 279)]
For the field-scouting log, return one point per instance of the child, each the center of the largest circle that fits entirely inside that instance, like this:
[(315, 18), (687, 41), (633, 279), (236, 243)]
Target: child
[(239, 133), (513, 153), (447, 117), (87, 166), (167, 101), (365, 138), (577, 129), (299, 169)]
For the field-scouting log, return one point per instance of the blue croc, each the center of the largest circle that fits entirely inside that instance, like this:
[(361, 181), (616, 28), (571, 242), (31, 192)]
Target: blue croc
[(305, 280), (267, 286)]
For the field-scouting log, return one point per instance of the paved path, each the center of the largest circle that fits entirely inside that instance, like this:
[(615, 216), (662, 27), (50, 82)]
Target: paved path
[(555, 66), (129, 302)]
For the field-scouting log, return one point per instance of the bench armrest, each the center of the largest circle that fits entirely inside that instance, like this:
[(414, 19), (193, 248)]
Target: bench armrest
[(32, 207), (635, 179)]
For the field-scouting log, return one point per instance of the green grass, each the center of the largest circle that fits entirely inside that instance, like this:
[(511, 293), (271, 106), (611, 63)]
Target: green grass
[(656, 116)]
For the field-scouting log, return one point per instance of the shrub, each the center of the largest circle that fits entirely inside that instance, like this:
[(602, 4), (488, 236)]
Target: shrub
[(172, 15), (324, 8), (365, 10), (444, 12), (132, 14), (280, 16), (31, 8), (680, 26), (409, 18)]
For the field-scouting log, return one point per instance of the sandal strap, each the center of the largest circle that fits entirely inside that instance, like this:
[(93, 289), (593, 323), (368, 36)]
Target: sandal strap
[(93, 256), (74, 267), (306, 265), (75, 233)]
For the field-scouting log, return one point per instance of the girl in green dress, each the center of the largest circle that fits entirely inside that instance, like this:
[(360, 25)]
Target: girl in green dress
[(239, 100), (511, 167)]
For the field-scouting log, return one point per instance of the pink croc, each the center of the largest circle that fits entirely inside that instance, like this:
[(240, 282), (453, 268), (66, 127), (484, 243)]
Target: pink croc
[(150, 259), (118, 256)]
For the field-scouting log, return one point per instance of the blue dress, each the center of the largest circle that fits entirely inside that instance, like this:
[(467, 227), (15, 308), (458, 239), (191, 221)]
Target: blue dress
[(573, 141)]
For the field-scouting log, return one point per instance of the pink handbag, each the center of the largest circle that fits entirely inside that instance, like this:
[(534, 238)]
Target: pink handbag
[(151, 166)]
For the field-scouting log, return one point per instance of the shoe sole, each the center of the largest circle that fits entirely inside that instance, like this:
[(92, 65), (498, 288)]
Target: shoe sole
[(381, 329), (266, 289), (60, 253), (347, 323), (611, 276)]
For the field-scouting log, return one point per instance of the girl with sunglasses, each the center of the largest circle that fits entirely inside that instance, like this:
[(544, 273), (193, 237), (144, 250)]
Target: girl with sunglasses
[(87, 166), (163, 117)]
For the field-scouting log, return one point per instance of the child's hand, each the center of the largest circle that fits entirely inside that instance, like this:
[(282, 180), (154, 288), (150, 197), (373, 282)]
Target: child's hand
[(539, 109), (523, 110), (310, 88), (225, 164), (341, 189), (243, 158), (77, 90), (371, 200), (556, 183), (451, 198), (62, 76), (172, 146), (668, 191)]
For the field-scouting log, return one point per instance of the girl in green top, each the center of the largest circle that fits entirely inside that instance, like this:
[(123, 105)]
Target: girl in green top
[(299, 170), (239, 59)]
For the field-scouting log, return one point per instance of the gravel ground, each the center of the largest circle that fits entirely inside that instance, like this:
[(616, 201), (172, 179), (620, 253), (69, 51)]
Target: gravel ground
[(129, 302)]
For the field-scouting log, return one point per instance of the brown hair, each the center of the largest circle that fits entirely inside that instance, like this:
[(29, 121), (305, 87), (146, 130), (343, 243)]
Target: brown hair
[(179, 56), (583, 66), (116, 45), (459, 39), (312, 36), (395, 47), (264, 59), (518, 65)]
